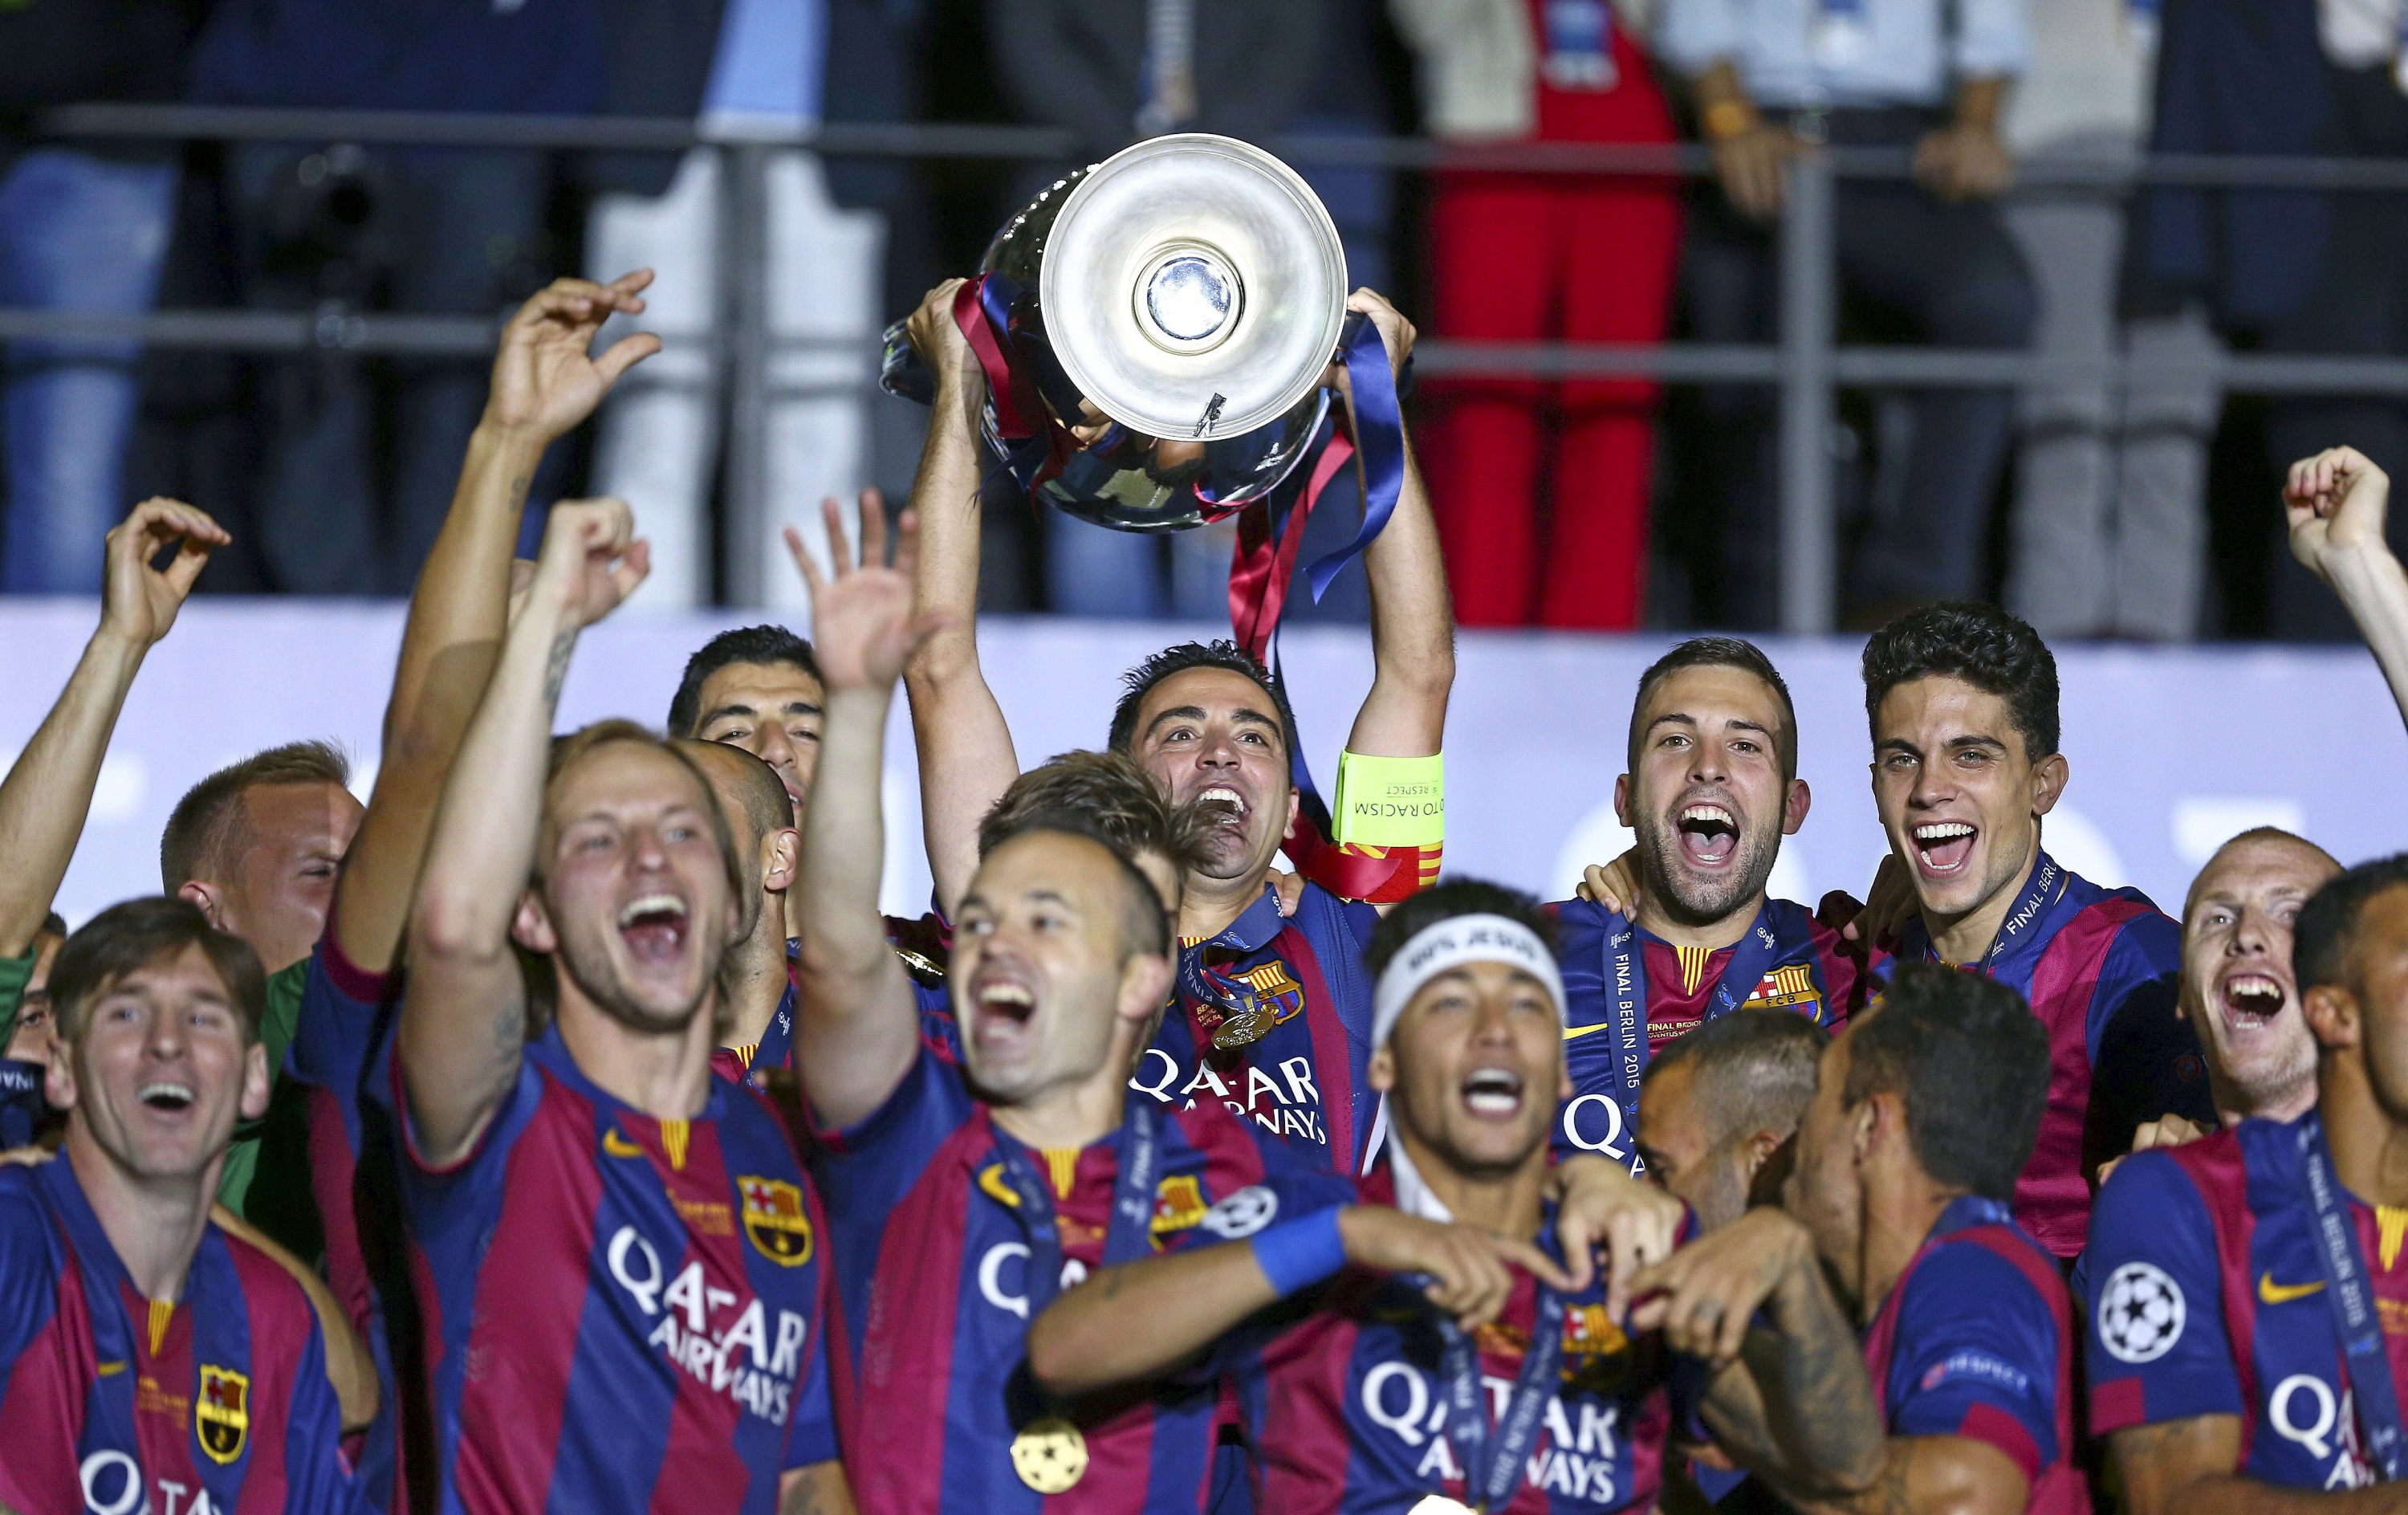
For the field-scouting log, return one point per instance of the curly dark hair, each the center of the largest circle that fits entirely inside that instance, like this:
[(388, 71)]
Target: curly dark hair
[(770, 645), (1140, 682), (1981, 644)]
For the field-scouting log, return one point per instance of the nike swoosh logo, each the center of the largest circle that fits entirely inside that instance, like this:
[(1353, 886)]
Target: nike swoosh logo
[(1574, 1033), (2270, 1292), (107, 1368), (618, 1145)]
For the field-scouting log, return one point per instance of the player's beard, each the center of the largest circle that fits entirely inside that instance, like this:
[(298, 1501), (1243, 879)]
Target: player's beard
[(589, 966), (1700, 902)]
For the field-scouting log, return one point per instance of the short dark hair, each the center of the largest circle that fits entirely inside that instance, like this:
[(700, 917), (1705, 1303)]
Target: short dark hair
[(210, 826), (1117, 797), (1969, 1061), (1980, 644), (1720, 652), (53, 924), (1751, 1071), (770, 644), (1140, 682), (1145, 917), (138, 933), (758, 788), (1446, 901), (2324, 939)]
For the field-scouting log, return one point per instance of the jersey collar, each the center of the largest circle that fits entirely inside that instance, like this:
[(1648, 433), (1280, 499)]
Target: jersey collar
[(1257, 927), (553, 1054)]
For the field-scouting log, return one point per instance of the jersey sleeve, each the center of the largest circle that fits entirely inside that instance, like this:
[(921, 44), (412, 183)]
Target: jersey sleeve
[(318, 1482), (28, 1267), (2158, 1349), (1976, 1357), (336, 1019), (811, 1438), (2145, 1059), (389, 1087), (868, 1165)]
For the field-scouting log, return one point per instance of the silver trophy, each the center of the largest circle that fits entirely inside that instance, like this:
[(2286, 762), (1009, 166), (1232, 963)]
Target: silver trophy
[(1172, 314)]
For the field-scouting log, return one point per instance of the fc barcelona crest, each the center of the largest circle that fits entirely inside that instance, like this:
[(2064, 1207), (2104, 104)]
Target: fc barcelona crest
[(221, 1413), (774, 1219), (1255, 999)]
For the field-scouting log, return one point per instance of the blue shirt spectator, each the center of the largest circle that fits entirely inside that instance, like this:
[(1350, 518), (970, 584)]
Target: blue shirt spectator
[(1797, 53)]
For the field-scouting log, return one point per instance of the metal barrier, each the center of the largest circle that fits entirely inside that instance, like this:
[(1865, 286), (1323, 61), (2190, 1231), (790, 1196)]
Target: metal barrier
[(1805, 363)]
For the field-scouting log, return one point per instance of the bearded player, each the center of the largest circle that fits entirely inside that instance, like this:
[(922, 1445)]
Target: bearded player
[(1274, 1009), (147, 1357), (1960, 1399), (624, 1266), (1962, 701), (1712, 787), (2249, 1303), (1380, 1395)]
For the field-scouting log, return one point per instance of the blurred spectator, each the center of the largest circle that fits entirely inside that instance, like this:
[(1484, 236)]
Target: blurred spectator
[(1113, 71), (2295, 271), (83, 226), (2110, 523), (1773, 76), (337, 227), (1522, 257), (744, 66)]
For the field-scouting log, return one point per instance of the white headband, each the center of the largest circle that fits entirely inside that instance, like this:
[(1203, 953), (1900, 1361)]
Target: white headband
[(1451, 943)]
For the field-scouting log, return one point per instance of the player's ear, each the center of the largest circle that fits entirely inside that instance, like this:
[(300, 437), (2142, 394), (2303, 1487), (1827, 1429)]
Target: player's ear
[(2048, 781), (781, 851), (1794, 806), (531, 928), (255, 1086), (207, 898), (1145, 984), (2330, 1011), (1383, 1070), (57, 1079), (1622, 802)]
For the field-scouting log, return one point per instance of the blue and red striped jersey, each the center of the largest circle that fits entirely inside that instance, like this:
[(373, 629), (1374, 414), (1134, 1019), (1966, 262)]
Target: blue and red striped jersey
[(2208, 1298), (932, 1255), (2102, 969), (1976, 1339), (1349, 1404), (621, 1313), (1800, 965), (1305, 1078), (115, 1404)]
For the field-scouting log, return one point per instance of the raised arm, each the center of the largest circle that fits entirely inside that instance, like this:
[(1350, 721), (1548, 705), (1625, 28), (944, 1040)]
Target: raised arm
[(464, 1017), (47, 792), (544, 384), (1412, 624), (965, 755), (2336, 503), (857, 1028)]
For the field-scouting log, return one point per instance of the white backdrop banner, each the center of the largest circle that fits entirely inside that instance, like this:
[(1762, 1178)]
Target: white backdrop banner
[(2172, 751)]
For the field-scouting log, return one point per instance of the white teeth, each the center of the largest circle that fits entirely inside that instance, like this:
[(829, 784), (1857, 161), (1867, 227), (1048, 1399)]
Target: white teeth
[(1006, 994), (1492, 1091), (180, 1093), (1942, 831), (1221, 795), (651, 904), (1709, 813)]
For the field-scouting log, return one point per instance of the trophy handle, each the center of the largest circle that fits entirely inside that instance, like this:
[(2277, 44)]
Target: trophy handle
[(901, 370)]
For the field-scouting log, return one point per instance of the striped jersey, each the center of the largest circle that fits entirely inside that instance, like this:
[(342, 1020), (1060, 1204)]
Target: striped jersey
[(114, 1404), (620, 1312)]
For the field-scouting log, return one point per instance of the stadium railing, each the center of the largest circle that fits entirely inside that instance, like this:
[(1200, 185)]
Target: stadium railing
[(1805, 363)]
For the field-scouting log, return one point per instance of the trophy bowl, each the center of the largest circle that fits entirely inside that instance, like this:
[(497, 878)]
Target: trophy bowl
[(1176, 308)]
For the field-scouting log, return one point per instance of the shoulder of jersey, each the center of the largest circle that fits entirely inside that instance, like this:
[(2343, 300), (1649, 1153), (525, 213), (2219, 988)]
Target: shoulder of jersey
[(264, 1279)]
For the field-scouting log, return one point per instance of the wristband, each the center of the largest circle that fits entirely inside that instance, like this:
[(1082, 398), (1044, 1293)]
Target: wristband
[(1299, 1253), (1391, 801)]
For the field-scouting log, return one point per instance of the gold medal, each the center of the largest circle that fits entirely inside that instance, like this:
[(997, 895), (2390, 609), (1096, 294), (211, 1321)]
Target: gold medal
[(1245, 1026), (1441, 1505), (1050, 1455)]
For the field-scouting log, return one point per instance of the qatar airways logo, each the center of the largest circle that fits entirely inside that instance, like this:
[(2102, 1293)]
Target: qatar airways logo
[(112, 1485), (739, 1359), (1576, 1464), (1287, 1105)]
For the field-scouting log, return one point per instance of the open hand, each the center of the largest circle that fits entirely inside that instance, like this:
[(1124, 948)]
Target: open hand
[(1600, 1207), (1753, 167), (862, 625), (1889, 904), (591, 560), (1470, 1270), (138, 602), (545, 381), (2335, 502), (1615, 886)]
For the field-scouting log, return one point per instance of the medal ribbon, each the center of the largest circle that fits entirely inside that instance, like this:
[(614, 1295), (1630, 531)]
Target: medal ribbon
[(2047, 881), (1128, 1235), (1493, 1464), (2350, 1296), (1626, 975)]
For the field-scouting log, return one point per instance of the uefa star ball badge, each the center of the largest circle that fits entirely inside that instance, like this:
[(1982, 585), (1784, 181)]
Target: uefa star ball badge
[(1050, 1455)]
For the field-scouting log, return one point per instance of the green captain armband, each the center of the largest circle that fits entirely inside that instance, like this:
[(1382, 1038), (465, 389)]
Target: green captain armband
[(1390, 801)]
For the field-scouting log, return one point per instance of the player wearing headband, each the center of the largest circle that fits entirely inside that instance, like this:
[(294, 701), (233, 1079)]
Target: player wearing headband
[(1959, 1398), (1507, 1383), (623, 1268), (968, 1187), (1712, 787), (2249, 1301), (1273, 1014), (1962, 701), (147, 1358)]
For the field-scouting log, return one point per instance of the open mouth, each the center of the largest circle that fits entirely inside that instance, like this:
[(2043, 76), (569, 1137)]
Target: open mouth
[(1493, 1093), (653, 925), (1709, 834), (1006, 999), (167, 1098), (2251, 1000), (1943, 846), (1221, 806)]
